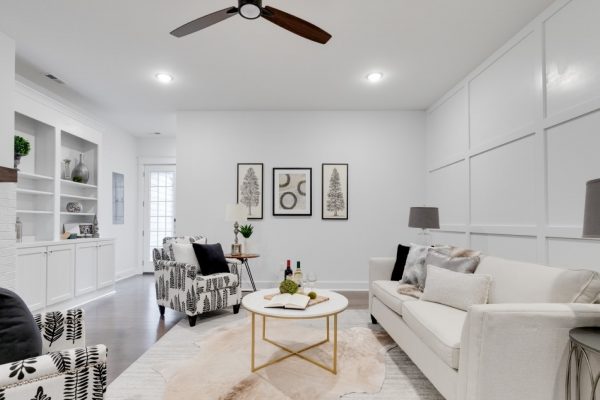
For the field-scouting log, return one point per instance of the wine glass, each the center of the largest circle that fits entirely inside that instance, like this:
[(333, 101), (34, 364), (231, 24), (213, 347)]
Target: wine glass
[(312, 281)]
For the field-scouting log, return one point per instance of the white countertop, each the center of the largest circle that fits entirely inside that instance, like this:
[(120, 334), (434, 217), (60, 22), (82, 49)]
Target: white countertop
[(62, 242), (255, 302)]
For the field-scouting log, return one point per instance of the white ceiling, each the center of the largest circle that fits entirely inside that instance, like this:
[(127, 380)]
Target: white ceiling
[(108, 52)]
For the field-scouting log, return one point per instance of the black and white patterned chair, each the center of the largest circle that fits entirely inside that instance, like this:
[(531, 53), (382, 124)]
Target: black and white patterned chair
[(183, 288), (67, 371)]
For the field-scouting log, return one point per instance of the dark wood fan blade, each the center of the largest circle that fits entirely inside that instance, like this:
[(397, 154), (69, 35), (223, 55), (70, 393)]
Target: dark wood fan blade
[(204, 22), (296, 25)]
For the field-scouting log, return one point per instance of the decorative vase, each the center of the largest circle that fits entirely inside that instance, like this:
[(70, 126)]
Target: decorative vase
[(67, 169), (74, 207), (95, 229), (81, 171), (17, 161), (249, 246)]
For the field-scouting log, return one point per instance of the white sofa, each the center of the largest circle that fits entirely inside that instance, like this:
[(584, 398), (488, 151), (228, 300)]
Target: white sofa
[(515, 347)]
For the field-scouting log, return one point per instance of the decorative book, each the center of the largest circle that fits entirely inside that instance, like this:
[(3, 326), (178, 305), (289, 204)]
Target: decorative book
[(292, 301)]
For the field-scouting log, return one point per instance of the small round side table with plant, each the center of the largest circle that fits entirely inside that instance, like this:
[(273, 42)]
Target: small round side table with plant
[(22, 148)]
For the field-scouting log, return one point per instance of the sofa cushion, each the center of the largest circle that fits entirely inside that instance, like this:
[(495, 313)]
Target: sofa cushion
[(401, 255), (438, 326), (215, 282), (387, 293), (184, 253), (456, 289), (180, 239), (20, 338), (521, 282)]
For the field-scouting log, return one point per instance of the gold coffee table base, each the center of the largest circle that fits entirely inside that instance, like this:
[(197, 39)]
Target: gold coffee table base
[(292, 353)]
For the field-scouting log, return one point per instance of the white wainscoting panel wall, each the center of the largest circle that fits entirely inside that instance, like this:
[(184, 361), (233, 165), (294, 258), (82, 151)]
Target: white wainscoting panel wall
[(532, 141)]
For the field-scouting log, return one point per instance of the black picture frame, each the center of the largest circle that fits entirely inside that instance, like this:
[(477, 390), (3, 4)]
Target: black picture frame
[(325, 213), (261, 184), (279, 210)]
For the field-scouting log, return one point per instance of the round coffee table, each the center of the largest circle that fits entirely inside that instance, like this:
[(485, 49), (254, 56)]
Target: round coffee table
[(255, 304)]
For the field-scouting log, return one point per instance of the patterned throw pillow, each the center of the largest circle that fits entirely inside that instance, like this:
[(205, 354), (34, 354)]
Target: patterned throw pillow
[(444, 258), (414, 270)]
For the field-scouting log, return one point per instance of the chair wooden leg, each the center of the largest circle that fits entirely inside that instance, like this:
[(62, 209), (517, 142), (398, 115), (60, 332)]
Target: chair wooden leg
[(192, 320), (161, 309), (236, 308)]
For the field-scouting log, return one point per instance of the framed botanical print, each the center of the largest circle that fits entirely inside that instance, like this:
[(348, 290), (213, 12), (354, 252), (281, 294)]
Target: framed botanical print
[(292, 191), (250, 190), (334, 194)]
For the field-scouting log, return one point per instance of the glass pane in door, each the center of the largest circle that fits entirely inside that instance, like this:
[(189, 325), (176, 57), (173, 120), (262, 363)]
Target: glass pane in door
[(160, 208)]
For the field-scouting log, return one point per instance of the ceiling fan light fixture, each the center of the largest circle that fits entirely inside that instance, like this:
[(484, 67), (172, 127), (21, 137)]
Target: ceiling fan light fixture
[(250, 9), (163, 77), (375, 77)]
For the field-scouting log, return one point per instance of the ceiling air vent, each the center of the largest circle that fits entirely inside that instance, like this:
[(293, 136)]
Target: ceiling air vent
[(54, 78)]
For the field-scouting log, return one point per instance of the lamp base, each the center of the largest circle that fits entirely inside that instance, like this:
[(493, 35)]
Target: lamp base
[(236, 249)]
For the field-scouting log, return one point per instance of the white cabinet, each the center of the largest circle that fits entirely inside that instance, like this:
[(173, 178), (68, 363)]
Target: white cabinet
[(49, 273), (106, 264), (61, 262), (31, 276), (86, 267)]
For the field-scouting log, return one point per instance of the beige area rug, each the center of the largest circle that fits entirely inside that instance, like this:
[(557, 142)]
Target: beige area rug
[(221, 370)]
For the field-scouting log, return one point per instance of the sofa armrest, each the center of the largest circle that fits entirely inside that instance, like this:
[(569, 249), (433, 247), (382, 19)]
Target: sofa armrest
[(380, 269), (33, 371), (519, 351), (234, 266), (61, 330)]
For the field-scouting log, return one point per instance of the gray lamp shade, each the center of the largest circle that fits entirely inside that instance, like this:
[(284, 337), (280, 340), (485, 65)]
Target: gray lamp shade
[(591, 219), (424, 218)]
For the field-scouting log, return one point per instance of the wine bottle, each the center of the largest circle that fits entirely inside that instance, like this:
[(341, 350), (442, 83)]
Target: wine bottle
[(298, 274), (288, 271)]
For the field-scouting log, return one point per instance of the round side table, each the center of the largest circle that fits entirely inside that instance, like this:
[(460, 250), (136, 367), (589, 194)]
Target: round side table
[(244, 259), (583, 341)]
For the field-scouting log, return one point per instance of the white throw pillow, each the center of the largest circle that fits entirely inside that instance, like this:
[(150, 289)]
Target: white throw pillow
[(184, 253), (456, 289)]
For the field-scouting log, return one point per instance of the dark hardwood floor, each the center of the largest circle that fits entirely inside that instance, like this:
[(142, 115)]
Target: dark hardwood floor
[(129, 323)]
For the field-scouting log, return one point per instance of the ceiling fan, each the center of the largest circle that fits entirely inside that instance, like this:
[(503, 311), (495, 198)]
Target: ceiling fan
[(252, 9)]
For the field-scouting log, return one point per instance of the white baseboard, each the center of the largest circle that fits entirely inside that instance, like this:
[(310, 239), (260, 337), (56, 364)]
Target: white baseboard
[(126, 274)]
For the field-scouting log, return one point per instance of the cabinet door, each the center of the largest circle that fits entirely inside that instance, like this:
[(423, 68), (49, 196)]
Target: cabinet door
[(86, 267), (61, 262), (106, 264), (31, 276)]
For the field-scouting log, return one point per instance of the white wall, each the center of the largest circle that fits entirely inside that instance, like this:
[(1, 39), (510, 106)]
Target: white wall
[(386, 156), (7, 190), (7, 83), (511, 147), (156, 147)]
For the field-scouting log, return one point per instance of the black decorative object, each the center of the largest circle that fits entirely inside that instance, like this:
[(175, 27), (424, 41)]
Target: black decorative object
[(211, 258), (292, 191), (401, 256), (250, 188), (334, 193)]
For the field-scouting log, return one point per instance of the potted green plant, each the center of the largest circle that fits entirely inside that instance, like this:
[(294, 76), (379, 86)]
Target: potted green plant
[(22, 148), (246, 231)]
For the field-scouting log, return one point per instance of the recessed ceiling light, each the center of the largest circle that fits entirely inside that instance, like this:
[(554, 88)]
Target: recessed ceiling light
[(375, 77), (163, 77), (156, 133)]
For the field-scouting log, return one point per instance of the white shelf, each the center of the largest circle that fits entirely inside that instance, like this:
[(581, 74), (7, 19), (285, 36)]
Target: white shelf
[(77, 184), (34, 212), (34, 192), (76, 213), (74, 196), (38, 177)]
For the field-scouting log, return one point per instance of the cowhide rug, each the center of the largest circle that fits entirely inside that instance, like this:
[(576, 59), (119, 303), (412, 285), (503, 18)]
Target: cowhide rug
[(222, 368)]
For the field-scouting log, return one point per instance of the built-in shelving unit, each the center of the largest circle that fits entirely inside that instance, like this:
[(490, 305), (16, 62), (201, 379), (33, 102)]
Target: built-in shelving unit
[(43, 190)]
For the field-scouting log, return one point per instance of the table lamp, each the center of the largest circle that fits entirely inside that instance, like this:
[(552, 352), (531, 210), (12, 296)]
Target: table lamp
[(424, 218), (591, 218), (235, 213)]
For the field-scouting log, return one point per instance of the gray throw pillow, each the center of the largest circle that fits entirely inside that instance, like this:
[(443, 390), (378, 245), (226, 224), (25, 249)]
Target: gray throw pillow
[(442, 258)]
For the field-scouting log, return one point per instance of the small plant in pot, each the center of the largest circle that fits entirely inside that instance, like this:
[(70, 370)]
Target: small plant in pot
[(246, 231), (22, 148)]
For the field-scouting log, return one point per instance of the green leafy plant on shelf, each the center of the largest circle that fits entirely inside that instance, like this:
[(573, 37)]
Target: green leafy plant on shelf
[(288, 286), (22, 148), (246, 230)]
